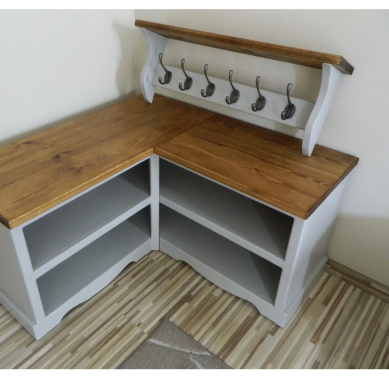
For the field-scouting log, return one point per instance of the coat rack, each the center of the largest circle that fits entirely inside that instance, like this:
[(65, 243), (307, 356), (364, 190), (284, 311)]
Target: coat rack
[(281, 108)]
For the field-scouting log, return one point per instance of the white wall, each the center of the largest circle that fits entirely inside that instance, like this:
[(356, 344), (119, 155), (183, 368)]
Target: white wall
[(57, 65), (357, 123)]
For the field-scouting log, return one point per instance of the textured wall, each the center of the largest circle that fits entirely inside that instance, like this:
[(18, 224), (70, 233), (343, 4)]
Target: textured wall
[(56, 65)]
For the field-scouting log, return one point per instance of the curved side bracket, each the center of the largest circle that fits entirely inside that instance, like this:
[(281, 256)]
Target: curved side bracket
[(156, 44), (329, 84)]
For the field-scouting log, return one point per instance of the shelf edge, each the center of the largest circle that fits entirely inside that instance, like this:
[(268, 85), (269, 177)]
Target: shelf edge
[(90, 238)]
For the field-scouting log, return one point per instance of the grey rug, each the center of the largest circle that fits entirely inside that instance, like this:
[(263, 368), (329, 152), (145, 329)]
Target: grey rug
[(168, 347)]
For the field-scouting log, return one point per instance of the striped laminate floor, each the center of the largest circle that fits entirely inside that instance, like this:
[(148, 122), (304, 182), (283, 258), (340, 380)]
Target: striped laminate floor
[(337, 326)]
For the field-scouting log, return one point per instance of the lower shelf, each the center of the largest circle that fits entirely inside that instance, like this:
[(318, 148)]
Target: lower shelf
[(74, 274), (220, 255)]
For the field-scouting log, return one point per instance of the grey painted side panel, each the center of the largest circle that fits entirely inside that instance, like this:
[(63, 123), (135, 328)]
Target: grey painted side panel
[(312, 245), (12, 280)]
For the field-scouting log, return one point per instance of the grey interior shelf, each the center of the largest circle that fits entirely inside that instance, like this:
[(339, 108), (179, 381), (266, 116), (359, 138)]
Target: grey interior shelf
[(65, 280), (231, 260), (248, 223), (56, 232)]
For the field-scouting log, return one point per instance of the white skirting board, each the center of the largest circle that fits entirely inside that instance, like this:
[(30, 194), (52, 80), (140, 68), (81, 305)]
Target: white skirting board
[(18, 314)]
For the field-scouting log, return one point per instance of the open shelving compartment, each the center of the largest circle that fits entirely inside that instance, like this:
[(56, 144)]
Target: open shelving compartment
[(244, 221), (113, 250), (56, 236), (223, 262)]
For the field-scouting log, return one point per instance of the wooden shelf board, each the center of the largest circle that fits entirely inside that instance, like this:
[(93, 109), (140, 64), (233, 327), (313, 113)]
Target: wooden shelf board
[(219, 254), (249, 47), (242, 220), (74, 274), (58, 231), (261, 163)]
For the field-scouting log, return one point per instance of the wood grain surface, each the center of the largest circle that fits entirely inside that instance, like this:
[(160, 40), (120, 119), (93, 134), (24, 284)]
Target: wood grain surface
[(337, 326), (46, 169), (262, 163), (249, 47), (43, 170)]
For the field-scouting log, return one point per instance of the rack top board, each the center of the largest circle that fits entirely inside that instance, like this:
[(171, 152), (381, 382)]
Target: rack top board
[(249, 47), (261, 163), (48, 168)]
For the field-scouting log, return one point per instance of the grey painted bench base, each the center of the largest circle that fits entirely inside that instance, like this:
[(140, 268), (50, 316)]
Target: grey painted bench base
[(63, 257)]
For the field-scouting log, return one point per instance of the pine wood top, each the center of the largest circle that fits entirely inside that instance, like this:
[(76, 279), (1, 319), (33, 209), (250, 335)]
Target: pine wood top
[(44, 170), (264, 164), (249, 47)]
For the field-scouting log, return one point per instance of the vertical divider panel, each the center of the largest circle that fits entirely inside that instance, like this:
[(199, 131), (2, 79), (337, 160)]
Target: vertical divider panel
[(154, 192), (293, 246)]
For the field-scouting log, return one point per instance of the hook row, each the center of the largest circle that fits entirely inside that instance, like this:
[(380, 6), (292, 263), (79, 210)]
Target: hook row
[(259, 105)]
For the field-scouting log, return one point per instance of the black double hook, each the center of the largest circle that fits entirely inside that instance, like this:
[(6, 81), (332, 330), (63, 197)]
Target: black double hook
[(168, 75), (234, 96), (290, 109), (188, 81), (210, 87), (261, 101)]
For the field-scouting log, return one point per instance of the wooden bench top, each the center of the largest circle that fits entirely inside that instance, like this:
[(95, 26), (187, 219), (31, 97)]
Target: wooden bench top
[(48, 168), (44, 170), (264, 164)]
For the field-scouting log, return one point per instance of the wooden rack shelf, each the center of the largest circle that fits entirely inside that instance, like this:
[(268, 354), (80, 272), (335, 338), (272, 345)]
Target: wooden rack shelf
[(250, 47), (304, 115)]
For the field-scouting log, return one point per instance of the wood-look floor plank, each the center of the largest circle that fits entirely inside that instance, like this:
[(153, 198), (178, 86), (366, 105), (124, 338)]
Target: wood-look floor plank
[(337, 326)]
